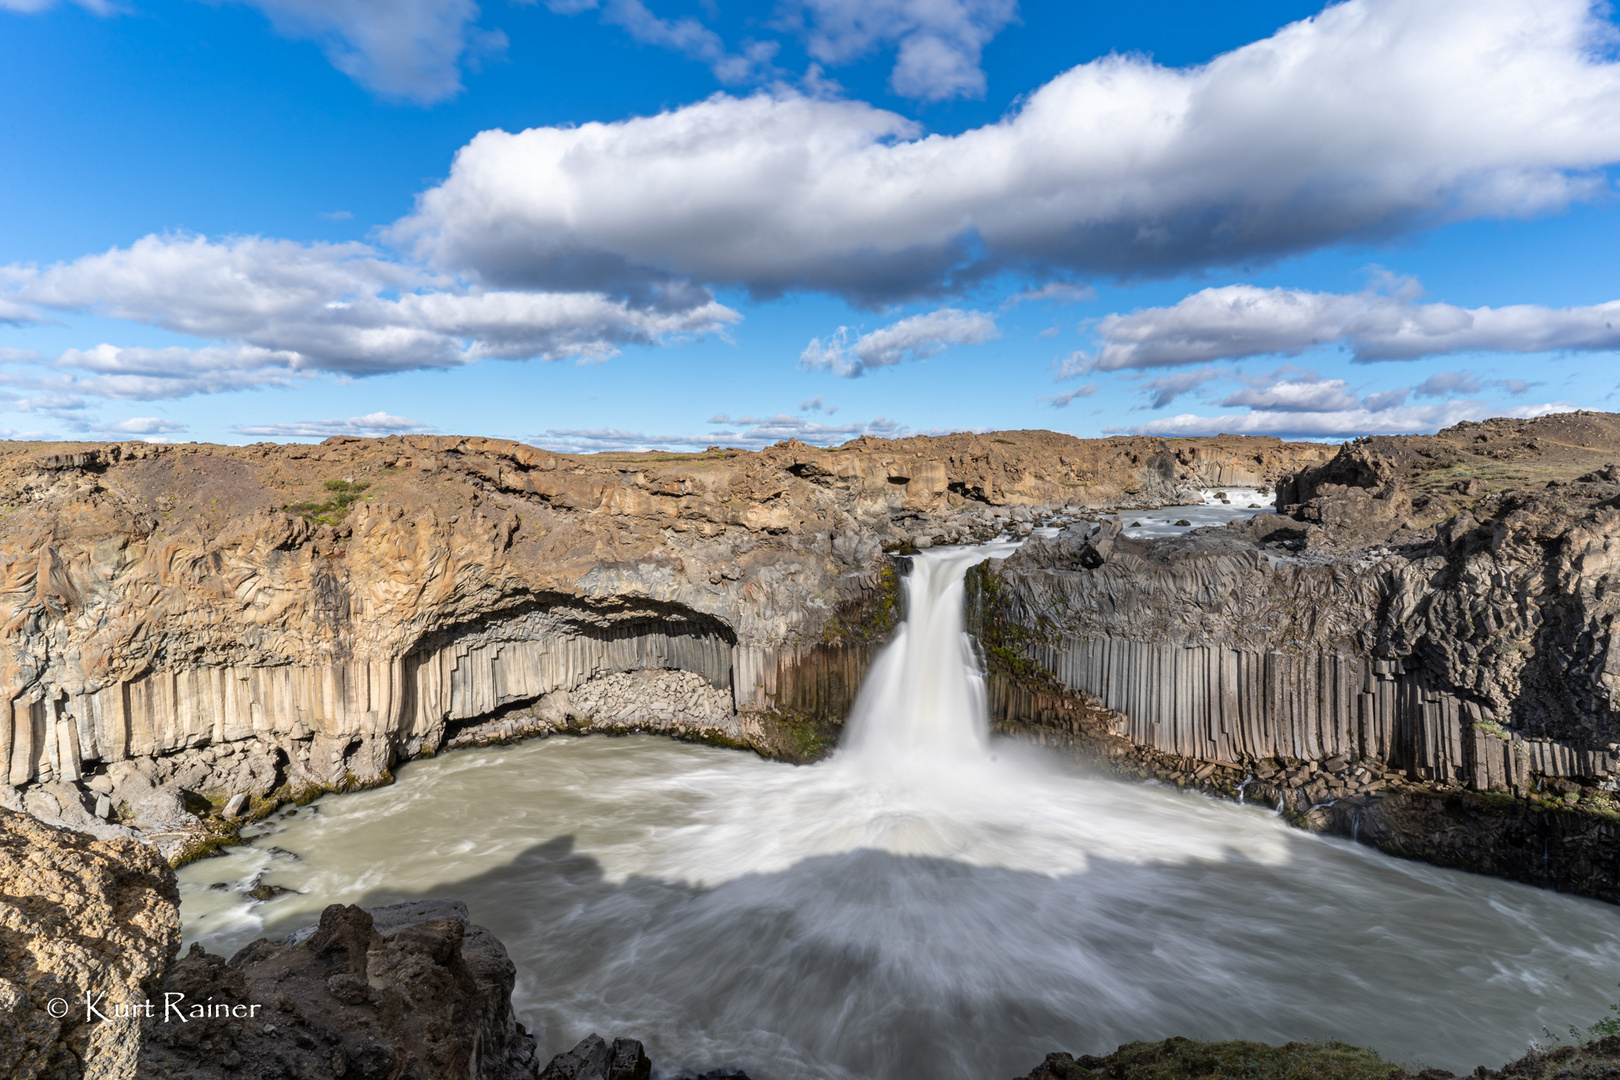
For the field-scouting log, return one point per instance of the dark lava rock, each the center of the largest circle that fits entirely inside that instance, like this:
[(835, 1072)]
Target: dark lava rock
[(262, 890), (594, 1059), (411, 990), (1185, 1059)]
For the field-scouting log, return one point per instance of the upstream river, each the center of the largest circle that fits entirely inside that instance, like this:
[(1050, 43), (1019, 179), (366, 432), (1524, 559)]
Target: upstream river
[(929, 902)]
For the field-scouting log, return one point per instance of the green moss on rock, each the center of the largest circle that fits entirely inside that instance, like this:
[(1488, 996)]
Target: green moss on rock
[(1186, 1059)]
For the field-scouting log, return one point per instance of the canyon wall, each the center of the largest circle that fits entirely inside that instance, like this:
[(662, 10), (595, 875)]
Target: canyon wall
[(1360, 650), (195, 627)]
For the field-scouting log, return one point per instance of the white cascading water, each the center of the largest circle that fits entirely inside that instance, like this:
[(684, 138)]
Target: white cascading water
[(923, 701), (928, 902)]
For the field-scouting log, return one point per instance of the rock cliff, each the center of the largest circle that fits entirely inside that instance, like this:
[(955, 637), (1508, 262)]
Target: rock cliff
[(192, 633), (84, 923), (1417, 650)]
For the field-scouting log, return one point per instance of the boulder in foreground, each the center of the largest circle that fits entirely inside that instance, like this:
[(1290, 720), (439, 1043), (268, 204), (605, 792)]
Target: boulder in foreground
[(410, 990)]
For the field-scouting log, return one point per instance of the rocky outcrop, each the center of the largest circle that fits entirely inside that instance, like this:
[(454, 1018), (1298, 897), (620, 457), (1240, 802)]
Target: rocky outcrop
[(91, 989), (194, 629), (624, 1059), (407, 990), (1443, 688), (87, 927), (1189, 1059)]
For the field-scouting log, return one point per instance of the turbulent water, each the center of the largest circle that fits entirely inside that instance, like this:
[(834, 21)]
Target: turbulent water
[(929, 902)]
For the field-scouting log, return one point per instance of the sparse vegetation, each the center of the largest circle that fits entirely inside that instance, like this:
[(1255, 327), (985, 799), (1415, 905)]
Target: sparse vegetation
[(1185, 1059), (344, 494)]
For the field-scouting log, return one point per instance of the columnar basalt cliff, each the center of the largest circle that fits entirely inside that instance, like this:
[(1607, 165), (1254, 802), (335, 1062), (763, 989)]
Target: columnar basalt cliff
[(1417, 650), (194, 626)]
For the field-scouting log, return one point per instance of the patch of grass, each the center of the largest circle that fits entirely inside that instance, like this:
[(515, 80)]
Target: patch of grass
[(344, 494), (1606, 1028)]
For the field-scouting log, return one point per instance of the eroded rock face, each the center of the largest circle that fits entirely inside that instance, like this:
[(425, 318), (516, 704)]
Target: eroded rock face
[(1363, 652), (407, 990), (84, 923), (193, 627)]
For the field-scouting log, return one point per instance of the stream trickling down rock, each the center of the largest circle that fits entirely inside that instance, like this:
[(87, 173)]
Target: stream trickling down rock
[(928, 902)]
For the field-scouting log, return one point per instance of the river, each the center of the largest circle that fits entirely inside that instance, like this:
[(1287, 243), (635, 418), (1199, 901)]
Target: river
[(928, 902)]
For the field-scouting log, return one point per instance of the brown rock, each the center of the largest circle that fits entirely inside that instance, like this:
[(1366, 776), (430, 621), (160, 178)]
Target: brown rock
[(83, 922)]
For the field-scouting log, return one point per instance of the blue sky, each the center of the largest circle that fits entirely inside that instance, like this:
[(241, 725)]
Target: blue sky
[(598, 224)]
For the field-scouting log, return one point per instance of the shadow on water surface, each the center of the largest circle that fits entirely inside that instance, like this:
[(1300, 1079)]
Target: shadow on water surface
[(872, 964)]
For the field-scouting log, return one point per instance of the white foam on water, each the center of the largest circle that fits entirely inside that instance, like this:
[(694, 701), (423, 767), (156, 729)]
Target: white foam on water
[(928, 902)]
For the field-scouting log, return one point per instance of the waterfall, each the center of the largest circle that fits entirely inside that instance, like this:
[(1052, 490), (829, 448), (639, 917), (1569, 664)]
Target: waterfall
[(923, 700), (927, 902)]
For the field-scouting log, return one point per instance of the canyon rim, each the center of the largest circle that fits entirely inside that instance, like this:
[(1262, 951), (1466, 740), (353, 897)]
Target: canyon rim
[(1412, 650)]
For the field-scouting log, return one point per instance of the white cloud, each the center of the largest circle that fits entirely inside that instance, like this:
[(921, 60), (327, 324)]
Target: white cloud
[(744, 432), (909, 339), (1345, 423), (687, 36), (939, 41), (1297, 395), (372, 424), (1054, 292), (1446, 383), (1062, 401), (30, 7), (1163, 391), (410, 49), (1387, 399), (144, 374), (1236, 321), (284, 308), (55, 404), (598, 440), (816, 404), (15, 314), (1373, 118), (760, 431), (143, 425)]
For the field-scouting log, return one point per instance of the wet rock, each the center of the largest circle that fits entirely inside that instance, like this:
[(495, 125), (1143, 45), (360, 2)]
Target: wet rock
[(260, 890), (595, 1059)]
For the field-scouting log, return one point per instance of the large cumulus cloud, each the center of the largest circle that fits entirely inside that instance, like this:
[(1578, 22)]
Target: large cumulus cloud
[(275, 307), (1374, 117)]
